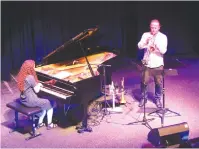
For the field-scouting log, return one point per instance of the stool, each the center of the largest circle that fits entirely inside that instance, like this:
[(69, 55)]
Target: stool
[(28, 111)]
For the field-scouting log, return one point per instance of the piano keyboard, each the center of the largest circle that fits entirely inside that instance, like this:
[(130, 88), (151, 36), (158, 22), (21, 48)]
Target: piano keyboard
[(56, 91)]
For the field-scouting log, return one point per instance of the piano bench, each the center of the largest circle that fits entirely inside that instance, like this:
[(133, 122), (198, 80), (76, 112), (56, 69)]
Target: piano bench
[(30, 112)]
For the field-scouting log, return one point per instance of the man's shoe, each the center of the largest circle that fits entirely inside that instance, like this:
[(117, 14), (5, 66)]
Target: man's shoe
[(158, 104), (141, 104)]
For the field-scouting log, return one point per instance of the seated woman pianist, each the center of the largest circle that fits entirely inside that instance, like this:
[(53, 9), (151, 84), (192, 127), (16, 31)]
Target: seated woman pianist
[(29, 87)]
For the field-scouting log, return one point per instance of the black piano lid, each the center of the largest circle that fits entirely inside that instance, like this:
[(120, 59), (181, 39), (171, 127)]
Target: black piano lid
[(71, 49)]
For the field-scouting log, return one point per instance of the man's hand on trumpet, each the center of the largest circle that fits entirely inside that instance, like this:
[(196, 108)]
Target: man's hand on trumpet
[(152, 48), (148, 39)]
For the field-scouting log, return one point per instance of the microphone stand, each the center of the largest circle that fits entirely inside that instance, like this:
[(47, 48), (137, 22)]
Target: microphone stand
[(105, 111), (144, 121)]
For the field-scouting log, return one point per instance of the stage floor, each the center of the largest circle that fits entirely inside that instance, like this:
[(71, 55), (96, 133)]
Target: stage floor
[(116, 129)]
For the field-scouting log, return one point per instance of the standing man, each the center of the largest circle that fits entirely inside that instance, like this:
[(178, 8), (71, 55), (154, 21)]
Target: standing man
[(155, 45)]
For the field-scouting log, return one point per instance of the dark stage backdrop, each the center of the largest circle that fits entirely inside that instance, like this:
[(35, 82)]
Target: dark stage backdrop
[(31, 30)]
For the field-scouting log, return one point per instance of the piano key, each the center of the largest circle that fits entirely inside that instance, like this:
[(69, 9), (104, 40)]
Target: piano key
[(54, 93), (56, 88)]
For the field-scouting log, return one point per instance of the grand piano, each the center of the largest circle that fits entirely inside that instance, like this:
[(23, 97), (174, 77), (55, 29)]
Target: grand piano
[(77, 80)]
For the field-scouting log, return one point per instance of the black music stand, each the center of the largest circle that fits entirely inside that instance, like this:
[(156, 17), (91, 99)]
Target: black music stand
[(162, 111), (144, 121)]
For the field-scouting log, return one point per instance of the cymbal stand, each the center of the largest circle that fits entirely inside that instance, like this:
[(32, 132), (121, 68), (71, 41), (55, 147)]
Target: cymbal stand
[(162, 111)]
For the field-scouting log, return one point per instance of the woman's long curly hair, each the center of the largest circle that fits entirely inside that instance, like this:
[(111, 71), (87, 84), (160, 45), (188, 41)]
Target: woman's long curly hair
[(26, 69)]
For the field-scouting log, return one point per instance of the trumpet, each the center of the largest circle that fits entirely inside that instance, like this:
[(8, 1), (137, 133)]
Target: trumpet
[(151, 47), (122, 101), (151, 43)]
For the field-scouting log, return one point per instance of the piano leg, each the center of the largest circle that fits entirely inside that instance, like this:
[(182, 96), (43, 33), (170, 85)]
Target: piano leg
[(84, 127)]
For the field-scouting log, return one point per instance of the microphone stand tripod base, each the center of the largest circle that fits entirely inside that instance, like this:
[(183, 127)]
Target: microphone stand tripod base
[(143, 122), (105, 111), (162, 112), (115, 110)]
